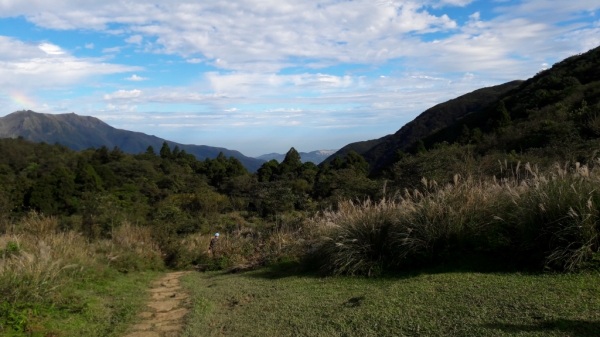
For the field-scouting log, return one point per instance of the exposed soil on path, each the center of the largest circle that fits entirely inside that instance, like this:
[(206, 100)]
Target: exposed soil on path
[(165, 310)]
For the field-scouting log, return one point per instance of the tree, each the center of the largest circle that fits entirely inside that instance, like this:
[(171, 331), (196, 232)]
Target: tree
[(476, 135), (465, 135), (504, 115), (291, 162), (165, 151), (116, 154), (235, 168), (176, 152), (355, 161), (399, 155), (101, 155), (86, 177), (268, 171), (421, 147), (150, 150), (337, 163)]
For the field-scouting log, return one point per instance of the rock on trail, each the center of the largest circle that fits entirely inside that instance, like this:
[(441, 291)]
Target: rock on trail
[(165, 310)]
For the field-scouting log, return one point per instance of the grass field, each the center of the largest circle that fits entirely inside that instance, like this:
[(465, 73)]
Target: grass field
[(102, 307), (434, 302)]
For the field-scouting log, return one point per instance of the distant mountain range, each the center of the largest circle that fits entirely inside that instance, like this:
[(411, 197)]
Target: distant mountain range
[(381, 152), (82, 132), (314, 156)]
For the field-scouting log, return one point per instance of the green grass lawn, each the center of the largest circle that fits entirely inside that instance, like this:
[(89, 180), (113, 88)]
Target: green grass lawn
[(432, 303), (104, 306)]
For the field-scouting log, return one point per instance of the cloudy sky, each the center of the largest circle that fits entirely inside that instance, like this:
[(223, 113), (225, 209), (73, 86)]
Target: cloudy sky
[(261, 76)]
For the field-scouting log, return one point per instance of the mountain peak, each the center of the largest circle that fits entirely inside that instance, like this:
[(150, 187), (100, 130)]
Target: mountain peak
[(82, 132)]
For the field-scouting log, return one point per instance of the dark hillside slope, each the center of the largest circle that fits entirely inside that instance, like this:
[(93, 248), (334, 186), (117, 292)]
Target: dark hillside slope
[(358, 147), (82, 132), (381, 152), (555, 109), (554, 117), (435, 118)]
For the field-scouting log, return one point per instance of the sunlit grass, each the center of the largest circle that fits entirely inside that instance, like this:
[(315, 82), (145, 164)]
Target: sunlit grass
[(431, 303)]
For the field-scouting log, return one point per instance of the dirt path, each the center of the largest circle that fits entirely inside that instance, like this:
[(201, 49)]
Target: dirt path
[(166, 309)]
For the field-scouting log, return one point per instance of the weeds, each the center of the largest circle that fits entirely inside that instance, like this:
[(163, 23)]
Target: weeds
[(38, 263), (549, 220)]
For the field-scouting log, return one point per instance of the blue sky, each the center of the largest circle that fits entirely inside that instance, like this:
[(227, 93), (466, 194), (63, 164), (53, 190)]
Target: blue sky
[(263, 76)]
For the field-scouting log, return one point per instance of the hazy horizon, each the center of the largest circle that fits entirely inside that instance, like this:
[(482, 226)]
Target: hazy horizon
[(261, 77)]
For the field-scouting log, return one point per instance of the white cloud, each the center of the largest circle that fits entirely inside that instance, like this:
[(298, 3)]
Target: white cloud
[(460, 3), (111, 50), (256, 36), (51, 49), (253, 36), (135, 39), (249, 34), (123, 94), (194, 60), (135, 77), (89, 46), (47, 66)]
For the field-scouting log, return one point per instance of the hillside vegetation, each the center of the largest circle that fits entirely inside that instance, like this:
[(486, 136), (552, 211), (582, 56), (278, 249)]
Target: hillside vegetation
[(84, 132), (552, 117), (381, 152)]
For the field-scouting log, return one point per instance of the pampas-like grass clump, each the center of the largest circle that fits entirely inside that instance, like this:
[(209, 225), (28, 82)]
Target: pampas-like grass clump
[(549, 220)]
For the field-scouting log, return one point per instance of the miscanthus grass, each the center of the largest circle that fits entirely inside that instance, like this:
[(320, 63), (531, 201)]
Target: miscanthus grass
[(549, 220)]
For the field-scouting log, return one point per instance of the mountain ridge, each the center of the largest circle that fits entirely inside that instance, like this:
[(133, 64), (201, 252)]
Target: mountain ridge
[(380, 152), (81, 132)]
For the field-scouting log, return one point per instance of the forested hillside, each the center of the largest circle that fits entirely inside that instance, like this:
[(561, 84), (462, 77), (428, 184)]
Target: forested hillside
[(82, 132), (552, 117), (58, 181), (381, 152)]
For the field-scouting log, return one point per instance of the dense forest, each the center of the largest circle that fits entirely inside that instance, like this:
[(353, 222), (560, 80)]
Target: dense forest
[(92, 190)]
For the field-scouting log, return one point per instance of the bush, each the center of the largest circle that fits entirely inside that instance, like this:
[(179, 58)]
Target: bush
[(37, 263), (550, 221)]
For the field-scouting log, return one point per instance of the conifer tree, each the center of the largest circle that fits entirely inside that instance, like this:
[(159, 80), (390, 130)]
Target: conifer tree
[(504, 115), (165, 151), (421, 147), (150, 150), (291, 162)]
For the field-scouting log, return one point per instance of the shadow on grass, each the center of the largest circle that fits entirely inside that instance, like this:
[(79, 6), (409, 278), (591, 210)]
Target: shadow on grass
[(573, 328), (282, 270), (458, 264)]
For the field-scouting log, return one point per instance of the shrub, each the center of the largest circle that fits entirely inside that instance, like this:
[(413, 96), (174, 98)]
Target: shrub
[(37, 263), (37, 225), (550, 221), (359, 237)]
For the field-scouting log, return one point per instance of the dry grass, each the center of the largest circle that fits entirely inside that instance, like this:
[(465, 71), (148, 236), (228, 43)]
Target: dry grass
[(551, 218), (246, 246), (37, 261)]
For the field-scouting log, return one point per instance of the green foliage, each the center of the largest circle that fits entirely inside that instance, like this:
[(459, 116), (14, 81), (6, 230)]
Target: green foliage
[(356, 162), (421, 147), (530, 219), (380, 153), (291, 162), (504, 116), (431, 302), (165, 151), (150, 150)]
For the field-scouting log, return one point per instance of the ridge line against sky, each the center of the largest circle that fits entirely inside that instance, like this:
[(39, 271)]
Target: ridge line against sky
[(263, 76)]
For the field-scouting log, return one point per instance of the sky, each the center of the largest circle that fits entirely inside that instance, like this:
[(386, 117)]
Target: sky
[(261, 76)]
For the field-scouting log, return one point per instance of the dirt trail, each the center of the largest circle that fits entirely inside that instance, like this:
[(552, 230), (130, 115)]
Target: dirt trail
[(166, 309)]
